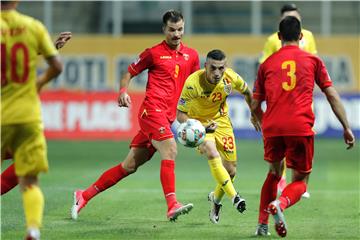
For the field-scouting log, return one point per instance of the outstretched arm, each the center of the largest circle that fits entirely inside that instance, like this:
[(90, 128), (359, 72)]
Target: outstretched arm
[(339, 110)]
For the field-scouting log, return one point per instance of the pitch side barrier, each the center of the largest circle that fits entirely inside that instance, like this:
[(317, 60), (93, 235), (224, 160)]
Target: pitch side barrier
[(95, 115)]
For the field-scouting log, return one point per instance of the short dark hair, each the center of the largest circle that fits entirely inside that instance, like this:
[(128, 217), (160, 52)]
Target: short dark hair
[(216, 54), (288, 7), (290, 28), (172, 16)]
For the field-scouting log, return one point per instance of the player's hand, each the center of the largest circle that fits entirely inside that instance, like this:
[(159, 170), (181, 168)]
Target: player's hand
[(210, 128), (256, 123), (62, 39), (349, 138), (124, 100)]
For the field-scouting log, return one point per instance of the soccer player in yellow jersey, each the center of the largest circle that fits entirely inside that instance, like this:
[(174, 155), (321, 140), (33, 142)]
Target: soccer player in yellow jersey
[(204, 98), (273, 44), (22, 39)]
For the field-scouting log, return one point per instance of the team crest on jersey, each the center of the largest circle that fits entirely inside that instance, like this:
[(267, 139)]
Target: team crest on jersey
[(227, 89), (186, 56), (162, 130)]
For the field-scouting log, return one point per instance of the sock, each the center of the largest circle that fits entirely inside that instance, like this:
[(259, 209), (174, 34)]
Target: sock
[(8, 179), (221, 176), (167, 178), (105, 181), (268, 194), (292, 194), (219, 192), (33, 201)]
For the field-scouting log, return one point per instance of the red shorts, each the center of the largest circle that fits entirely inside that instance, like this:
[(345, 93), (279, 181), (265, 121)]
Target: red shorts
[(298, 150), (154, 125)]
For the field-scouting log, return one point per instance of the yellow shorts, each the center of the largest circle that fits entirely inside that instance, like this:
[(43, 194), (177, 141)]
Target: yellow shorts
[(27, 145), (224, 139)]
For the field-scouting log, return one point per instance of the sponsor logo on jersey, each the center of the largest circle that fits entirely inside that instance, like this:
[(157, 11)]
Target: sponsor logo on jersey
[(165, 57), (182, 101)]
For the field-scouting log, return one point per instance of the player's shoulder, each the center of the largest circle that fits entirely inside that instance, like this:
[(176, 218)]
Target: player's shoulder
[(27, 20), (273, 37), (195, 77), (306, 32), (230, 73)]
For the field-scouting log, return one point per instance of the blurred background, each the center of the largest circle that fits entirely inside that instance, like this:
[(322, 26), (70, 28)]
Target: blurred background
[(109, 35)]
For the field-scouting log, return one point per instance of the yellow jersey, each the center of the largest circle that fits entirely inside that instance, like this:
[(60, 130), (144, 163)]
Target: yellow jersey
[(205, 101), (273, 44), (22, 39)]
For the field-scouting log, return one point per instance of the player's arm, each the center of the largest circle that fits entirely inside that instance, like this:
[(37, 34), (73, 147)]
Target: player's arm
[(124, 99), (54, 69), (62, 39), (249, 100), (339, 110), (144, 61)]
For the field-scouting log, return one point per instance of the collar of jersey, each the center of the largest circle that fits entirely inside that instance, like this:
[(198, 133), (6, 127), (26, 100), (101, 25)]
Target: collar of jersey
[(172, 50)]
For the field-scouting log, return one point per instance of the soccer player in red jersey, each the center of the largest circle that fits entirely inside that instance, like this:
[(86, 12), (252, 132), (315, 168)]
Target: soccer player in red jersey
[(169, 63), (9, 180), (285, 81)]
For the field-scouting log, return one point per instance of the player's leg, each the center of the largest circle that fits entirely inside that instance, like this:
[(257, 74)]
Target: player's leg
[(33, 201), (9, 180), (274, 152), (136, 157), (30, 158), (299, 156), (168, 151), (282, 182)]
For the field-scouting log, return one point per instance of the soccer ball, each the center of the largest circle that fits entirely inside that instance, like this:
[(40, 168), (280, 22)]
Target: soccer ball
[(191, 133)]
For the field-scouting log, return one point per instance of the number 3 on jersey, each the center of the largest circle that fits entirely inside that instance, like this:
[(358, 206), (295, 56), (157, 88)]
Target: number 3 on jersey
[(290, 66)]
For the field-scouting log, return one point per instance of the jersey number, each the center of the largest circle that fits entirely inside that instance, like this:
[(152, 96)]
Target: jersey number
[(228, 143), (177, 69), (217, 96), (17, 48), (290, 73)]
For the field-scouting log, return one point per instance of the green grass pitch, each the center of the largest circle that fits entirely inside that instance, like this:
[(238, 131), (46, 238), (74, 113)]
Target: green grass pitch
[(135, 207)]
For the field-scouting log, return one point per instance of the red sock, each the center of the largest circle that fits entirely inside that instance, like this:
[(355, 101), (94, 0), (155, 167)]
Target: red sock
[(268, 194), (105, 181), (8, 179), (167, 177), (292, 194)]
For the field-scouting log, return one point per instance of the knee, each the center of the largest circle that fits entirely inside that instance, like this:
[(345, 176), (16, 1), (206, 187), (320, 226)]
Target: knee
[(232, 173), (130, 166), (209, 150)]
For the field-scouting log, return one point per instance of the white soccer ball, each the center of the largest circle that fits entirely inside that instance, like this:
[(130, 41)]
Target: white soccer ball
[(191, 133)]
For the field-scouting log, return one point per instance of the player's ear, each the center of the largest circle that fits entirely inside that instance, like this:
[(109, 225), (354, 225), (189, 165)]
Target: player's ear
[(301, 36), (279, 35)]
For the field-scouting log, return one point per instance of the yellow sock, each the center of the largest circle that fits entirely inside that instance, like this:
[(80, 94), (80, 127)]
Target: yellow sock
[(33, 200), (219, 192), (221, 176)]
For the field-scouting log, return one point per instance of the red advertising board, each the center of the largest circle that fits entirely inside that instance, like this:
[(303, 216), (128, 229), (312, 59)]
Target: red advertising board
[(89, 115)]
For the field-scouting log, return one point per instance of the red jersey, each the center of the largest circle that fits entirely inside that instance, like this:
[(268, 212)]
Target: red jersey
[(286, 82), (168, 70)]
